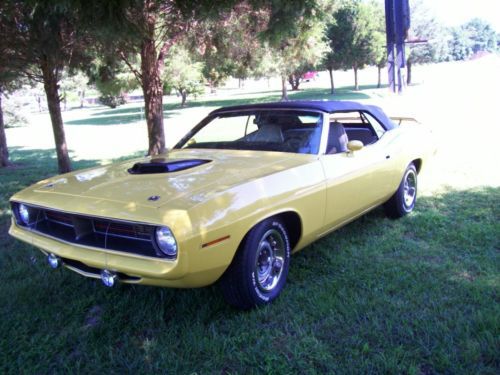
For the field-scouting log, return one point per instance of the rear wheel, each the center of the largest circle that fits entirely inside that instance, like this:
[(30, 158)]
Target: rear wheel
[(260, 267), (403, 200)]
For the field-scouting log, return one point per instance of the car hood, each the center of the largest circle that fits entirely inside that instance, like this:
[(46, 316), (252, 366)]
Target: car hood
[(178, 189)]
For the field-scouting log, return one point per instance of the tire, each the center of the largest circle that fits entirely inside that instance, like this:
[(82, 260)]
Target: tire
[(259, 269), (404, 199)]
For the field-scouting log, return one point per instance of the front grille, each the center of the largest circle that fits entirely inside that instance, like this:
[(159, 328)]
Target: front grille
[(101, 233)]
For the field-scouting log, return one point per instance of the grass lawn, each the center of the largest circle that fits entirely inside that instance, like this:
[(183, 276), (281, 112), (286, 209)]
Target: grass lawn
[(418, 295)]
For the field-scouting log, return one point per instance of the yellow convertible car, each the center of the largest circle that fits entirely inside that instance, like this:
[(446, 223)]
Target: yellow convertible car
[(231, 201)]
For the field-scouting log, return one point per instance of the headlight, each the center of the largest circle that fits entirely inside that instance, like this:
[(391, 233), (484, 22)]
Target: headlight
[(24, 214), (166, 241)]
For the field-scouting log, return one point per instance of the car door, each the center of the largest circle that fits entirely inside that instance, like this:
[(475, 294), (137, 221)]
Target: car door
[(357, 181)]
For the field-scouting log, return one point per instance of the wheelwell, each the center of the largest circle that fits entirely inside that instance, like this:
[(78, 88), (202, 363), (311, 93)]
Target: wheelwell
[(293, 226), (418, 164)]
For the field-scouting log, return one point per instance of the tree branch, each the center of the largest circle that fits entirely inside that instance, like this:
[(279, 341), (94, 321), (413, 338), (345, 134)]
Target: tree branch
[(136, 73)]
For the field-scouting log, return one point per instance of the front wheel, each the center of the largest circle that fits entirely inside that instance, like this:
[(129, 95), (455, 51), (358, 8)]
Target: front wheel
[(403, 200), (260, 267)]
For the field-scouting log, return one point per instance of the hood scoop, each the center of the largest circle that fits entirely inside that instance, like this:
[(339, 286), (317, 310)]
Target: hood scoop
[(165, 166)]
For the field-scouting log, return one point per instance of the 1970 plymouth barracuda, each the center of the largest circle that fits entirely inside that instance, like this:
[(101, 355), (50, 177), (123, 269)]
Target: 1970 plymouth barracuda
[(231, 201)]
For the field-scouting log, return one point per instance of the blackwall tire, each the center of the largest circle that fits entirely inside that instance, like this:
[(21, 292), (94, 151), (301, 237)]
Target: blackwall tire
[(260, 267), (404, 199)]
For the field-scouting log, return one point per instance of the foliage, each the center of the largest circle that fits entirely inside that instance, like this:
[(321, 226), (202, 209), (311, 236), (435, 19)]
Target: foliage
[(459, 45), (471, 37), (14, 108), (112, 79), (301, 53), (40, 39), (182, 74), (301, 46), (379, 48), (148, 29), (352, 36), (229, 44), (73, 86), (424, 26), (349, 36), (481, 34), (112, 101)]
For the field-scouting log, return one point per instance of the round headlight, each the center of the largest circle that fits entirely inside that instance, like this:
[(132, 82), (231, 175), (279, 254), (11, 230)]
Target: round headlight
[(166, 241), (24, 214)]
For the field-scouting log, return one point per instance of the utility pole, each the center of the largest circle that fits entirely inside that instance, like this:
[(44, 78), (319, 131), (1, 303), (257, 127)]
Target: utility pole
[(397, 23)]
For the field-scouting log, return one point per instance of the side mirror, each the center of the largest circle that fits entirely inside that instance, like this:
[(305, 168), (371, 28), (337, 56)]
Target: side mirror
[(354, 146)]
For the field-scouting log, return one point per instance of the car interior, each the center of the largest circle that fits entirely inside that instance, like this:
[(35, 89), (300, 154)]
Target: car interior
[(349, 126)]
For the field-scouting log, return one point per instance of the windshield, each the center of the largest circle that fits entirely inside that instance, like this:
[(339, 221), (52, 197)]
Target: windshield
[(259, 130)]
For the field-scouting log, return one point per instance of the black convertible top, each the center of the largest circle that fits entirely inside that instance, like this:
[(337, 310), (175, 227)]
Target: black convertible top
[(329, 106)]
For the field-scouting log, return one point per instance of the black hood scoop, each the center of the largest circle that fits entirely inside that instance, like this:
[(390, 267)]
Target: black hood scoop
[(165, 166)]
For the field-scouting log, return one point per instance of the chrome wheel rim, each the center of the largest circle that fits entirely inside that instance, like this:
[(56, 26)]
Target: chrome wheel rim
[(410, 188), (270, 260)]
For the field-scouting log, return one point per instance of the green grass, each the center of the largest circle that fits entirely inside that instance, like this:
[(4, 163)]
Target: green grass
[(418, 295), (134, 113)]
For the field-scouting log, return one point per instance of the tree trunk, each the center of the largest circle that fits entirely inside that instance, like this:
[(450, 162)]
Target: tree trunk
[(356, 86), (211, 85), (82, 98), (294, 81), (50, 84), (331, 81), (152, 89), (284, 93), (4, 151), (184, 97), (379, 81), (408, 72)]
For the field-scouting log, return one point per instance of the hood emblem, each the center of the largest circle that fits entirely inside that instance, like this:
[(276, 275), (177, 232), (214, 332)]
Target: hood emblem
[(154, 198)]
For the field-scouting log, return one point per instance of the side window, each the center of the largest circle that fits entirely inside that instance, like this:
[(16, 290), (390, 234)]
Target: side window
[(358, 126), (377, 127)]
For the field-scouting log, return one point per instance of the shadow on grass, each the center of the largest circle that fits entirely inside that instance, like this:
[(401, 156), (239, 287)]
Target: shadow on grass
[(135, 113), (107, 120)]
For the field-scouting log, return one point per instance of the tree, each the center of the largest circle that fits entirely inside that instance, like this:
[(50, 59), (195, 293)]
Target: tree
[(295, 78), (42, 37), (296, 44), (481, 35), (148, 29), (229, 44), (471, 37), (266, 68), (182, 74), (299, 53), (459, 45), (73, 86), (112, 79), (350, 36), (379, 48), (9, 77), (424, 26)]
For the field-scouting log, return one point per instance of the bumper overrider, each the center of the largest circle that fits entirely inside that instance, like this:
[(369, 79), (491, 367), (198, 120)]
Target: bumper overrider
[(110, 249)]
